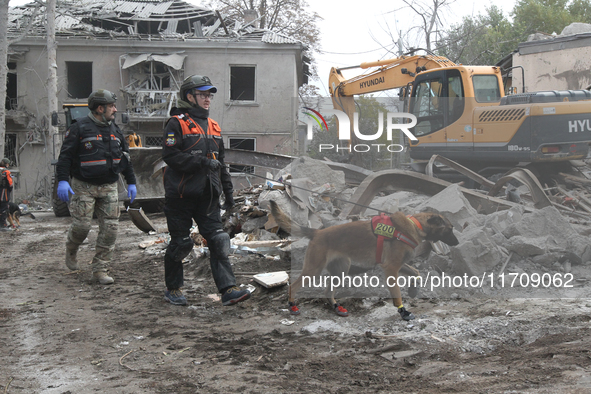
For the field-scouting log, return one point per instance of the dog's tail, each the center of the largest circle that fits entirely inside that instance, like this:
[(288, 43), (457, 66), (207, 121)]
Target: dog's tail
[(289, 225)]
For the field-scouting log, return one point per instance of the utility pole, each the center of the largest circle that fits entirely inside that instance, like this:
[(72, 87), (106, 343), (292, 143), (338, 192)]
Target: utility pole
[(52, 71), (3, 69)]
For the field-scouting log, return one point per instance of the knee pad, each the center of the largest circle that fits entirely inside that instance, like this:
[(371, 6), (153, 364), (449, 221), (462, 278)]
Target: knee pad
[(180, 248), (220, 243)]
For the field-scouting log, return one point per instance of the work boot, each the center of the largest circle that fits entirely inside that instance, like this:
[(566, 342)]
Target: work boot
[(102, 278), (234, 295), (175, 297), (71, 259)]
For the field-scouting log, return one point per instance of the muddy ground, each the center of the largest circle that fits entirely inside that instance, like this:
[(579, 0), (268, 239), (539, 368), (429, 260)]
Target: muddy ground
[(62, 333)]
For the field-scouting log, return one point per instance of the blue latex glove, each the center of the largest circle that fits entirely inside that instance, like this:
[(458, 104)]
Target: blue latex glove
[(63, 188), (131, 192)]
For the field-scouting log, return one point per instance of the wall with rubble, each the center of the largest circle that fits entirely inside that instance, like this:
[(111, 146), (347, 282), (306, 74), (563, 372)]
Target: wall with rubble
[(558, 62)]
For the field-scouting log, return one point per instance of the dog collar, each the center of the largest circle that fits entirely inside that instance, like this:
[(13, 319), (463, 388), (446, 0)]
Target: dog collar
[(415, 221)]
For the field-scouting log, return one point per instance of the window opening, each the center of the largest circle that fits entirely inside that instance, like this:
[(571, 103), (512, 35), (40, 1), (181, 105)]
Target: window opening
[(79, 79), (242, 83), (244, 144)]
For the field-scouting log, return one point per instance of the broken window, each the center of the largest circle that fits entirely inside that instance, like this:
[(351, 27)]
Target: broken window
[(10, 147), (154, 80), (242, 83), (244, 144), (79, 79), (11, 91)]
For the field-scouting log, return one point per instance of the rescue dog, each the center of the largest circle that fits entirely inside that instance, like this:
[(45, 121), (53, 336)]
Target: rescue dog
[(340, 247), (15, 213)]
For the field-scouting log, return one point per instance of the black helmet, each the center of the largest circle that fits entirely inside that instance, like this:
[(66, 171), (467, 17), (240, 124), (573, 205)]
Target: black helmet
[(6, 161), (199, 82), (100, 97)]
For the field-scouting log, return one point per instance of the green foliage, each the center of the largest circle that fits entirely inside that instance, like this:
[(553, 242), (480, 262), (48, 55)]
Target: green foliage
[(482, 40), (486, 39), (544, 16)]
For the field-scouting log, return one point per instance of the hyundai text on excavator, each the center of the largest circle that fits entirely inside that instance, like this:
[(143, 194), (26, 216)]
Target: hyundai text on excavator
[(463, 114)]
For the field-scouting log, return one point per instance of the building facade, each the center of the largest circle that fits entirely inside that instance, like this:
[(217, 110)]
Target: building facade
[(142, 50)]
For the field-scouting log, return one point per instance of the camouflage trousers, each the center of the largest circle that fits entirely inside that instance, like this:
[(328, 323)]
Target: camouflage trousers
[(102, 200)]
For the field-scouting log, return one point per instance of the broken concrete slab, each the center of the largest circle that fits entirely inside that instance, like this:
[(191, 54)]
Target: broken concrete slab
[(542, 222), (476, 253), (254, 224), (285, 204), (399, 201), (530, 246), (500, 220), (451, 203), (318, 172), (272, 279)]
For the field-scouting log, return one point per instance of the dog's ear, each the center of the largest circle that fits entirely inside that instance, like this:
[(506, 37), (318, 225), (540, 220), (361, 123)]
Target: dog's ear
[(436, 220)]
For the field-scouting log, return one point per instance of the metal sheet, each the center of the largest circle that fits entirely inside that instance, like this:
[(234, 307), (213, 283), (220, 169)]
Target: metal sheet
[(141, 221), (414, 182)]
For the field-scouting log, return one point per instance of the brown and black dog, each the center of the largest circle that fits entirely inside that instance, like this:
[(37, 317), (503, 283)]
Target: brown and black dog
[(336, 248), (15, 213)]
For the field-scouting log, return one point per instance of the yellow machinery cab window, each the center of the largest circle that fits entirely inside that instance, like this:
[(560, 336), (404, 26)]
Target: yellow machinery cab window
[(486, 88), (437, 101)]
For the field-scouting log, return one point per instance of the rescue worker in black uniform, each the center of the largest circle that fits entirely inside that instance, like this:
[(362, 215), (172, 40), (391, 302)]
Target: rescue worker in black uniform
[(194, 180), (93, 154), (6, 185)]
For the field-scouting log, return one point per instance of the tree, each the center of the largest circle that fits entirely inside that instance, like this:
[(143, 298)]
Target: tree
[(486, 39), (431, 23), (52, 102), (480, 40), (289, 17), (545, 16), (3, 68)]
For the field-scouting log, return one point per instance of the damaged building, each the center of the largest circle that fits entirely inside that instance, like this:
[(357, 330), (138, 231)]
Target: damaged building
[(142, 50), (554, 62)]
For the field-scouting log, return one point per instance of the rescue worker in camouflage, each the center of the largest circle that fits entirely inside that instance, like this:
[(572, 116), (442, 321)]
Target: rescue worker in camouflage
[(6, 185), (194, 180), (93, 154)]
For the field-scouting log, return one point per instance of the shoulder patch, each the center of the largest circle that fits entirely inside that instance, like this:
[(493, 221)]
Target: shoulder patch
[(170, 140)]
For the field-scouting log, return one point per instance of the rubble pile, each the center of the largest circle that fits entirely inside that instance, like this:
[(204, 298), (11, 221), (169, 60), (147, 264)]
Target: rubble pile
[(516, 238)]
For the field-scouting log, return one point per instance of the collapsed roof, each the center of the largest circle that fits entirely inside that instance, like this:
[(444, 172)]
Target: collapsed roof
[(146, 19)]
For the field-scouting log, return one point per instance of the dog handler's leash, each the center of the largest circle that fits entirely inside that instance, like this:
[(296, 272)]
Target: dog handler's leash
[(316, 193)]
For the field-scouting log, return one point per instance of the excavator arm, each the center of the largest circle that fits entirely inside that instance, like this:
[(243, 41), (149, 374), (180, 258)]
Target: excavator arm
[(390, 74)]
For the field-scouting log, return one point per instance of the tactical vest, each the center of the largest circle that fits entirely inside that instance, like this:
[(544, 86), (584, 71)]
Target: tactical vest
[(100, 149), (5, 181)]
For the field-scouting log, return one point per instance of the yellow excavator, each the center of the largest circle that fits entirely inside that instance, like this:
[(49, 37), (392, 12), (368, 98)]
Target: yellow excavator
[(462, 113)]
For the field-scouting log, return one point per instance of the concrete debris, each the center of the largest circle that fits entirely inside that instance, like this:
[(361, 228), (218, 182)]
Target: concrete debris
[(476, 254), (272, 279), (452, 204), (516, 239), (318, 172)]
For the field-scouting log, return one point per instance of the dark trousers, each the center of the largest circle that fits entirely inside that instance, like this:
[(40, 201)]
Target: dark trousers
[(3, 212), (180, 213)]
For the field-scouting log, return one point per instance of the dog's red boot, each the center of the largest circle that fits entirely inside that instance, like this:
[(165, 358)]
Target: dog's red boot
[(293, 309), (339, 310)]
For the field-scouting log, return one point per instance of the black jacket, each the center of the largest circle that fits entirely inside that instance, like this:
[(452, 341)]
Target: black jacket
[(186, 155), (94, 154)]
